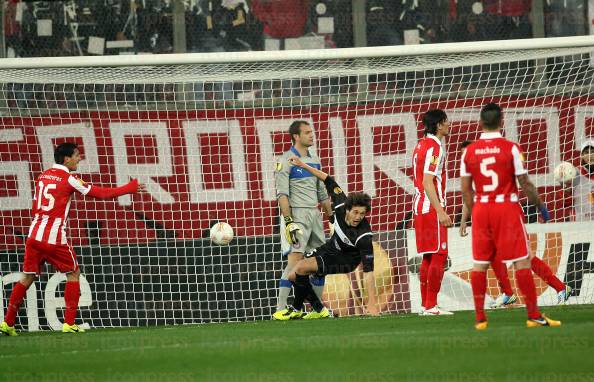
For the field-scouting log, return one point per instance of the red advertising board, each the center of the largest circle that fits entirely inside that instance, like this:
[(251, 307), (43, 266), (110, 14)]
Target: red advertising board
[(204, 166)]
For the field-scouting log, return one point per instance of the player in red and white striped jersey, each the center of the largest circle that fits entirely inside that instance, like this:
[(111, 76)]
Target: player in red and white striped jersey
[(489, 168), (539, 267), (47, 240), (430, 218)]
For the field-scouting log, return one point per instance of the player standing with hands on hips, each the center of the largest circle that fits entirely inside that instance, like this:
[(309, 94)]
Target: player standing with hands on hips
[(47, 240), (299, 192), (489, 168)]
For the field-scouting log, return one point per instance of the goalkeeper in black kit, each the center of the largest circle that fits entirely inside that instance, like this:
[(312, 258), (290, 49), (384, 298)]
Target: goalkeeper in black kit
[(349, 246)]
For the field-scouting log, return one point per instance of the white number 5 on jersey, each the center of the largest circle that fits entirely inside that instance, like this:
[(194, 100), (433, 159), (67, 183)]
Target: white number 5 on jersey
[(489, 174)]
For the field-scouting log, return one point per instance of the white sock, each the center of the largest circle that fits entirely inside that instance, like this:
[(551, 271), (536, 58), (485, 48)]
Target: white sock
[(318, 289), (284, 289)]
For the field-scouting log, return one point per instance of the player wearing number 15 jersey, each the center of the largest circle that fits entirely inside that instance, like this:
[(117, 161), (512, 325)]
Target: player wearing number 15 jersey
[(47, 240), (488, 170)]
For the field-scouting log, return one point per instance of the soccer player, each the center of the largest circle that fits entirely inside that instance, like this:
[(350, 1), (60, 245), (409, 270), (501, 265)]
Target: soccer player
[(539, 267), (430, 219), (492, 165), (349, 246), (298, 193), (47, 241)]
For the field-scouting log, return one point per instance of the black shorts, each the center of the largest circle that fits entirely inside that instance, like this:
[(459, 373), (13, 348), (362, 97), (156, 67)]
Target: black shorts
[(331, 263)]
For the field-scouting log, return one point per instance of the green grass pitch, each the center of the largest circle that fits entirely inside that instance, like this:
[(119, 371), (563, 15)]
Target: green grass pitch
[(388, 348)]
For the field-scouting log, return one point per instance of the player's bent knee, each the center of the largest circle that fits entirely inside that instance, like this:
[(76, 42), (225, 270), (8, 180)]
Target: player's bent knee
[(294, 257), (306, 266), (310, 265)]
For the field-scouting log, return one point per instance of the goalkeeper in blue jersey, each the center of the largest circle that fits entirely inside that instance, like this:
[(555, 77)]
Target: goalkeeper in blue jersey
[(349, 246)]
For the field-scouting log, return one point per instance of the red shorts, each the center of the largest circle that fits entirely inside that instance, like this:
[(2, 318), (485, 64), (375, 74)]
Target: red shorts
[(431, 236), (62, 257), (498, 232)]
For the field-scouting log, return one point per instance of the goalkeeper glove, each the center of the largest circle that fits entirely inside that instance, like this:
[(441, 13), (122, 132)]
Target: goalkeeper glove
[(544, 212), (292, 231)]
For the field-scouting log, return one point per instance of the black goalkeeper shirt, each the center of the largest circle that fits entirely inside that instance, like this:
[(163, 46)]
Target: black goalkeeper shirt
[(355, 242)]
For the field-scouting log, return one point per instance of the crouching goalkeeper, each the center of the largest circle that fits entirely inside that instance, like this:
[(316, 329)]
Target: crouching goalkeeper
[(349, 246)]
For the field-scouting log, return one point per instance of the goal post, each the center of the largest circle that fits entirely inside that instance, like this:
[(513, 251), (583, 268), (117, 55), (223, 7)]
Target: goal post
[(203, 131)]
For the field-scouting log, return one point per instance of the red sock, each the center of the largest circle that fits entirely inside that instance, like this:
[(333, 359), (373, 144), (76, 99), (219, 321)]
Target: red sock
[(423, 278), (16, 299), (543, 271), (478, 280), (501, 273), (71, 296), (526, 283), (434, 276)]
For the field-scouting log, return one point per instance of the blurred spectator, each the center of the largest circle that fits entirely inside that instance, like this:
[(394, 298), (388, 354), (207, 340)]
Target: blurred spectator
[(565, 18), (232, 21), (342, 14), (507, 19), (430, 18), (282, 18), (383, 23)]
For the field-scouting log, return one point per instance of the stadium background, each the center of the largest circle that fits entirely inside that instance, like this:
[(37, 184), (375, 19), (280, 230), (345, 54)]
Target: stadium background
[(148, 261)]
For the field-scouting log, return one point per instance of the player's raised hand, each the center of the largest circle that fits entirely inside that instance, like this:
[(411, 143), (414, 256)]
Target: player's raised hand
[(444, 219), (296, 161)]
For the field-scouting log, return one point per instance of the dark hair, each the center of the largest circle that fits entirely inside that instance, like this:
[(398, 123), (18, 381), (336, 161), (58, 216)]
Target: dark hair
[(295, 128), (63, 150), (431, 119), (359, 199), (465, 144), (491, 116)]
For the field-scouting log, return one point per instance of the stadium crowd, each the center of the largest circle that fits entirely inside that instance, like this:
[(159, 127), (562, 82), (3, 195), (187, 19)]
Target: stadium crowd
[(64, 28), (111, 27)]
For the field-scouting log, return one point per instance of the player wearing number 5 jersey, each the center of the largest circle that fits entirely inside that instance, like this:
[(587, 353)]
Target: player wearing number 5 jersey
[(47, 241), (430, 218), (489, 168)]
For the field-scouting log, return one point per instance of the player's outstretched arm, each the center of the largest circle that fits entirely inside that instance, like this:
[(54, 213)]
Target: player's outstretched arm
[(533, 197), (296, 161), (372, 305), (365, 246), (108, 192), (332, 187)]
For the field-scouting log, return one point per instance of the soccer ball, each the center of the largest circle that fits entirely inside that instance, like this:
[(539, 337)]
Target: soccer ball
[(221, 233), (564, 172)]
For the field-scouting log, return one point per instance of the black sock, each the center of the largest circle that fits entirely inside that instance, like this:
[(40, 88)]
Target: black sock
[(301, 288), (314, 300)]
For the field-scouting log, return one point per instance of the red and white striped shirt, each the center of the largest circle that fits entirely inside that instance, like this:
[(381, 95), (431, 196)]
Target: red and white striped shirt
[(53, 191), (428, 158), (493, 162)]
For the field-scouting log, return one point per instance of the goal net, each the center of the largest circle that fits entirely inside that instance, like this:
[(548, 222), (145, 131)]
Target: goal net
[(204, 131)]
